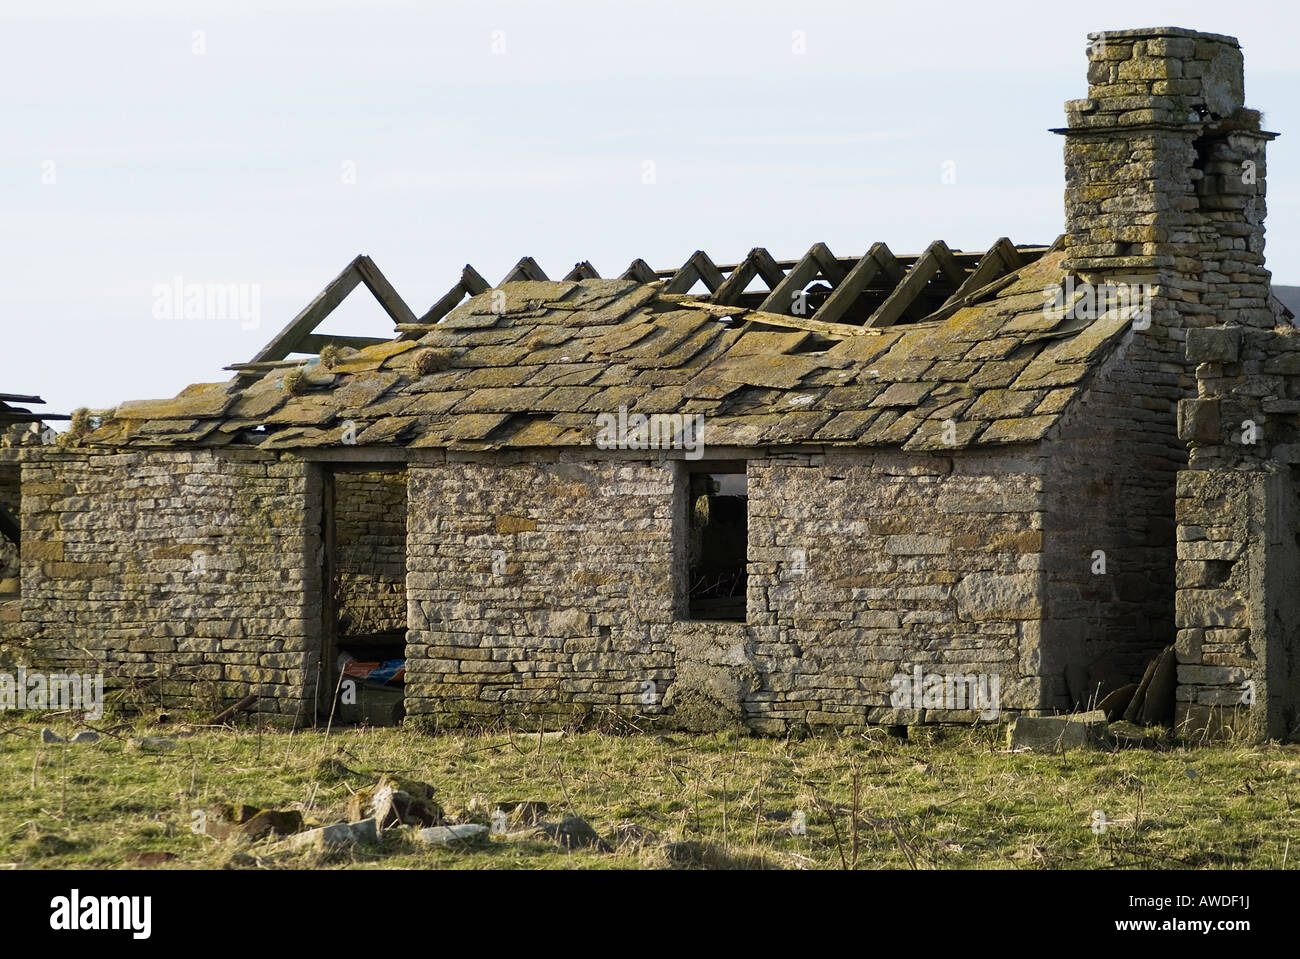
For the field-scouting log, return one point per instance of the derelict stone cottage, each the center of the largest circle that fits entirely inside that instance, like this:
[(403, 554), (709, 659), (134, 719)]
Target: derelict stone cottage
[(750, 494)]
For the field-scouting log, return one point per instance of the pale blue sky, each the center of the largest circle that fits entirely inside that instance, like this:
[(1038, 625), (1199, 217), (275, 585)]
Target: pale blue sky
[(228, 166)]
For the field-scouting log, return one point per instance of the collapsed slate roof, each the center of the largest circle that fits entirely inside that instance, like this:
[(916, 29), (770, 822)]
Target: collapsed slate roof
[(532, 363)]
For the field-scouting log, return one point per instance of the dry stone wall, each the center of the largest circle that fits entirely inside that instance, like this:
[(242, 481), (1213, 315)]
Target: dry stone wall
[(194, 573), (545, 589), (1238, 558), (369, 564)]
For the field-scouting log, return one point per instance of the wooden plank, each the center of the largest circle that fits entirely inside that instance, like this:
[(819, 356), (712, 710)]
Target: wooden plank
[(948, 264), (685, 277), (383, 291), (769, 269), (315, 342), (781, 299), (264, 366), (709, 272), (1000, 259), (582, 271), (832, 269), (850, 288), (18, 398), (734, 285), (446, 303), (310, 317), (640, 271), (903, 295), (473, 282), (525, 269)]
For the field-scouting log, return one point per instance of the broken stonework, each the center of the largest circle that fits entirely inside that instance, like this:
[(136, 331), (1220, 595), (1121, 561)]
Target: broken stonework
[(1057, 733), (714, 676)]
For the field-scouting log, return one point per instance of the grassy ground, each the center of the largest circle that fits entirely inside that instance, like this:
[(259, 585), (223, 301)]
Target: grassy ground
[(943, 799)]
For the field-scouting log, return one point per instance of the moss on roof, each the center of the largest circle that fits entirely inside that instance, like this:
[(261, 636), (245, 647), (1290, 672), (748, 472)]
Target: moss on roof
[(533, 363)]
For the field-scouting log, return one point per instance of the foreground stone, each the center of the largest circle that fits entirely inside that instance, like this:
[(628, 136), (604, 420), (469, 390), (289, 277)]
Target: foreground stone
[(280, 822), (465, 834), (338, 836), (1057, 733), (574, 832), (152, 744)]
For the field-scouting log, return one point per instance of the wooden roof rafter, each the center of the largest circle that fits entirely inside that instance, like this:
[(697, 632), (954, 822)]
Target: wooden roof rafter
[(299, 335), (525, 269), (698, 267), (936, 260), (757, 263), (818, 261)]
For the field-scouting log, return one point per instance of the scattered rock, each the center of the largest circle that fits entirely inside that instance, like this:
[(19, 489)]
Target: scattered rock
[(1056, 733), (462, 835), (525, 813), (152, 744), (573, 832), (86, 736), (241, 860), (279, 822), (338, 836), (1131, 736), (48, 735), (391, 806)]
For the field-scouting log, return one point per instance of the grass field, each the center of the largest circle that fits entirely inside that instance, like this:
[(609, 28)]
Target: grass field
[(943, 799)]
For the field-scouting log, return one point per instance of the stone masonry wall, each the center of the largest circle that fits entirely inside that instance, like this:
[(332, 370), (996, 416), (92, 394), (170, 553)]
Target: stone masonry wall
[(1238, 515), (10, 485), (199, 570), (538, 590), (1165, 194), (1109, 528), (369, 561)]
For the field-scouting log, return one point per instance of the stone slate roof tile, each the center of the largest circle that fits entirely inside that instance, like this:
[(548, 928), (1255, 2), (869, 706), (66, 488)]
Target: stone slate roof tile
[(532, 363)]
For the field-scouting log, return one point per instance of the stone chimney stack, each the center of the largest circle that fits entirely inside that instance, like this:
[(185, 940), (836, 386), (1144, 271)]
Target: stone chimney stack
[(1165, 176)]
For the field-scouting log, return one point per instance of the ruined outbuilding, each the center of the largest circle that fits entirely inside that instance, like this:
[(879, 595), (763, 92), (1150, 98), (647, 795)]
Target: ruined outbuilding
[(752, 494)]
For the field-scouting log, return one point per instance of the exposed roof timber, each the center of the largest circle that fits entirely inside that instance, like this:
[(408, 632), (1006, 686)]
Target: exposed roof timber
[(640, 271), (582, 271), (783, 296), (850, 288), (696, 268), (525, 269), (901, 279), (469, 284), (1002, 258), (758, 261), (936, 259), (11, 415), (360, 270), (315, 342)]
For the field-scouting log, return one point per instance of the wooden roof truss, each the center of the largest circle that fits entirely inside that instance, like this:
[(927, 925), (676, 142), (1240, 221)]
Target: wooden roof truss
[(878, 289)]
